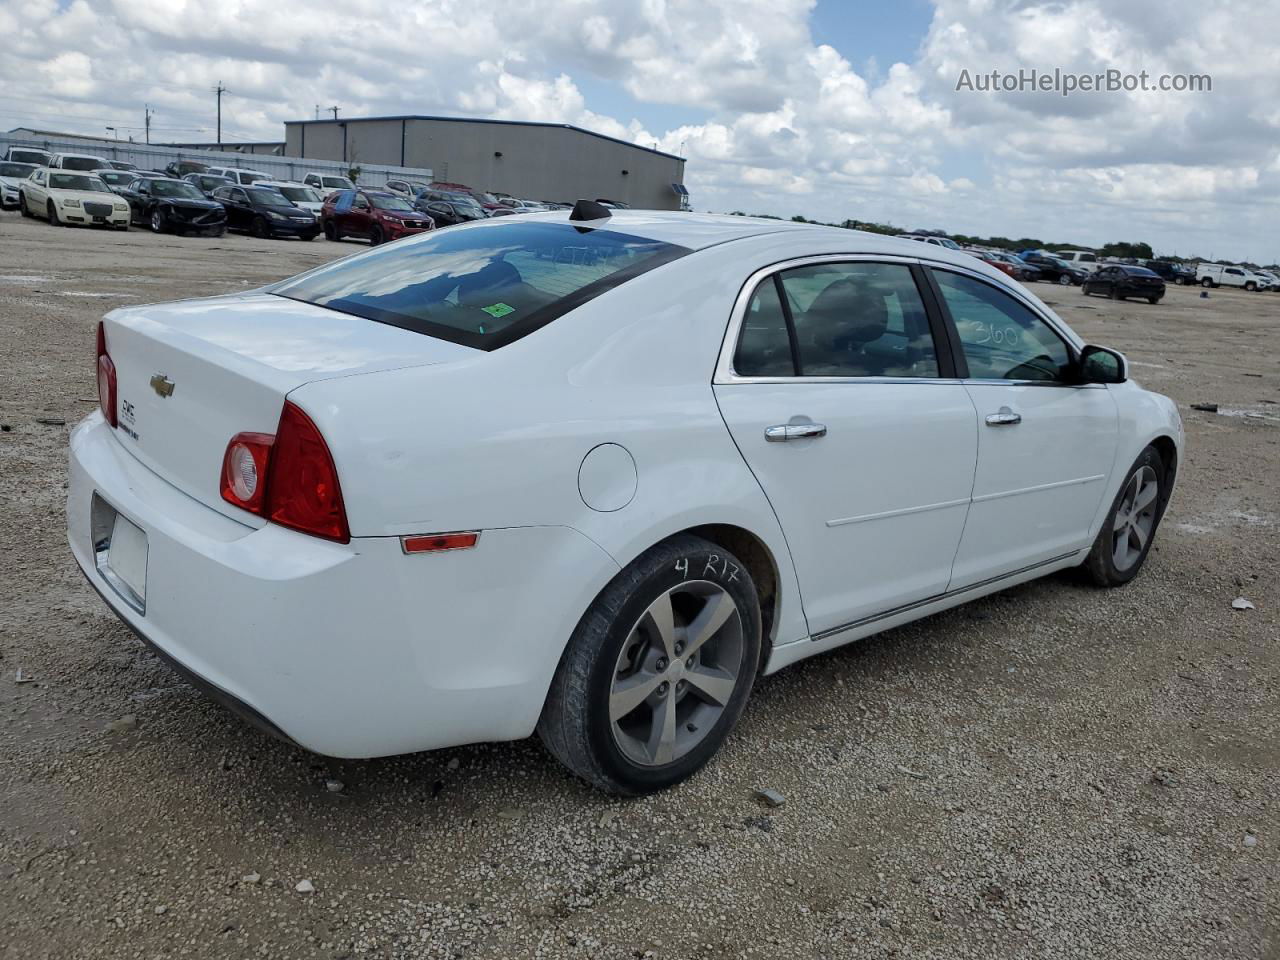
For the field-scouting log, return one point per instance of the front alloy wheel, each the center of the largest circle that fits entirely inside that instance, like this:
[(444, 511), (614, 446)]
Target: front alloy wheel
[(157, 221), (658, 670), (1064, 280), (1126, 536)]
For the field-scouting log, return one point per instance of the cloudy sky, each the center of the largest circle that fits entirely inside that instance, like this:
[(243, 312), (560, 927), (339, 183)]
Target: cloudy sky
[(833, 109)]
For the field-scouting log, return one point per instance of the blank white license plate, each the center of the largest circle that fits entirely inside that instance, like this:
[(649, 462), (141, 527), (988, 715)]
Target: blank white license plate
[(127, 555)]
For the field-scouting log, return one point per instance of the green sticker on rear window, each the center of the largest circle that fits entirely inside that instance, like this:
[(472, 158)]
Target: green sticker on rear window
[(498, 310)]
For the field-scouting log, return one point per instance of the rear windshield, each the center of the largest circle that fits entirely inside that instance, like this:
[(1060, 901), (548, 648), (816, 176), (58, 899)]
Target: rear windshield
[(82, 163), (482, 286)]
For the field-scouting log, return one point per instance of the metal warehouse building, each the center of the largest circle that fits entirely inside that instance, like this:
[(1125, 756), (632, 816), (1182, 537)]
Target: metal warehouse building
[(537, 161)]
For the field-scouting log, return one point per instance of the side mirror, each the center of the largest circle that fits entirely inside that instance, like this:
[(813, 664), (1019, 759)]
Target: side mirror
[(1101, 365)]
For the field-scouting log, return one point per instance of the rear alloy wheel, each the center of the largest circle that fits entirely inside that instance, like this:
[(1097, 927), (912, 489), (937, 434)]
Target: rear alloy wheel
[(658, 670), (157, 221), (1125, 539)]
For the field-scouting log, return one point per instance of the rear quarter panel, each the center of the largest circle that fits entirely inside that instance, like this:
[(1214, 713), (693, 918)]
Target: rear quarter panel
[(496, 439)]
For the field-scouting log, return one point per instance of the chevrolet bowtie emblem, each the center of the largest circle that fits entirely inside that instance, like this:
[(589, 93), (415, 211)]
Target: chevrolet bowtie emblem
[(162, 385)]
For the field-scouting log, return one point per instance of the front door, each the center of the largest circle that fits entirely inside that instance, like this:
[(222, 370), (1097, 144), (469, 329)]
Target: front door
[(1046, 445), (848, 413)]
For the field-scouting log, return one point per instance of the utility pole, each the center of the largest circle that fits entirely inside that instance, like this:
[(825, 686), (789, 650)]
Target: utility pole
[(335, 111), (147, 109), (219, 90), (317, 111)]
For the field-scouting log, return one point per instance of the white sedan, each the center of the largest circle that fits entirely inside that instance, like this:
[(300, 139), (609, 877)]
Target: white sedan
[(66, 199), (590, 475), (12, 173)]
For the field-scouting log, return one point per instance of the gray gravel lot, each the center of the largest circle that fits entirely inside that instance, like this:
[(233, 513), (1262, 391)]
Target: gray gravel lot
[(1052, 772)]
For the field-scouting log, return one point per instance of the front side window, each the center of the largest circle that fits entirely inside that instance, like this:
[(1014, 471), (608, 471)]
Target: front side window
[(16, 170), (848, 320), (1001, 338), (484, 286)]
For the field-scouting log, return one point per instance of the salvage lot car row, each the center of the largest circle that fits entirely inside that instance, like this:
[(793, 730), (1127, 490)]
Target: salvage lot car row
[(193, 197)]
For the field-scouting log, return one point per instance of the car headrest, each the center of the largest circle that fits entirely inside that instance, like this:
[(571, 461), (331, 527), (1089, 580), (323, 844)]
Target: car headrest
[(480, 287), (846, 315)]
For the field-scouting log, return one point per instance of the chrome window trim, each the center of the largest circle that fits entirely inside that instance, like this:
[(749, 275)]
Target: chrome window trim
[(725, 374)]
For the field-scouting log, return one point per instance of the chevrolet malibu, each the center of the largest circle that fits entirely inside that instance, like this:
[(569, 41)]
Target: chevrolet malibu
[(590, 474)]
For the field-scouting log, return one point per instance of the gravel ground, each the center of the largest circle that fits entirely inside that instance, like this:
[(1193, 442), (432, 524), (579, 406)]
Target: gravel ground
[(1054, 771)]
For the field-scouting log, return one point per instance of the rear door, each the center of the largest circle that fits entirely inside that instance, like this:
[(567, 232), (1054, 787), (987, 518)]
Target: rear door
[(844, 403), (1046, 444)]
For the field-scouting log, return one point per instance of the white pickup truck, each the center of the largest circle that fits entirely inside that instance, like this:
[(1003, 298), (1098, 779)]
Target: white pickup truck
[(1226, 275)]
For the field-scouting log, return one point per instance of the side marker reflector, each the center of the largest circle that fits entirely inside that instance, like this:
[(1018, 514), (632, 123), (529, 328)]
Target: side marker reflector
[(438, 542)]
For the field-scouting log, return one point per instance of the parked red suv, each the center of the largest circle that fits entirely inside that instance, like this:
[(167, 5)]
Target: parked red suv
[(374, 214)]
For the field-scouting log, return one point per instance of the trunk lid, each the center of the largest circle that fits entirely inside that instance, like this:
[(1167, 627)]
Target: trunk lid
[(191, 375)]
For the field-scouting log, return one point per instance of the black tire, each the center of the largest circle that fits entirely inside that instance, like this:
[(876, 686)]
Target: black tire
[(122, 227), (330, 231), (575, 724), (1251, 286), (261, 229), (1101, 563), (376, 236), (1206, 282), (218, 232), (1114, 294), (1153, 300), (52, 213), (156, 221), (22, 206)]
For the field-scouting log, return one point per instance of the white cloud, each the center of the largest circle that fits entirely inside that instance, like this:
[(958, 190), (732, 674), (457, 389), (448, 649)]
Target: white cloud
[(789, 124)]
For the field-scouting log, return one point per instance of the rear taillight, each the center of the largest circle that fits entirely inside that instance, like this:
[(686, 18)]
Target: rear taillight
[(288, 478), (106, 378)]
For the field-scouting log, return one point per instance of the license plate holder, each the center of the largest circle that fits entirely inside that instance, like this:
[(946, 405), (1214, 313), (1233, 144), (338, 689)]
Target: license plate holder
[(120, 553)]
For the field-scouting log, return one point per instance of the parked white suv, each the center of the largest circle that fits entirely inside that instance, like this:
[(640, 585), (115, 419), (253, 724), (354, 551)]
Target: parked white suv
[(325, 183), (1084, 259), (239, 175), (1226, 275), (83, 162)]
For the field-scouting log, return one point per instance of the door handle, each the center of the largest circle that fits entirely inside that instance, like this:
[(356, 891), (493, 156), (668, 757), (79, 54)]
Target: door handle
[(1004, 417), (794, 431)]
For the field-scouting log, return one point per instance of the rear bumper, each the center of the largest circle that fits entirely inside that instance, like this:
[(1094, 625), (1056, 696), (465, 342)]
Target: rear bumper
[(350, 650), (307, 230)]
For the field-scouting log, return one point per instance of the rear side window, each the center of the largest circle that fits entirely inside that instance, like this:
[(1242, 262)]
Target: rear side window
[(484, 286), (847, 320)]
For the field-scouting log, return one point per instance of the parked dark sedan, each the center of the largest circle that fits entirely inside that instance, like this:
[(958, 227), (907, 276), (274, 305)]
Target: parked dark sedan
[(179, 169), (206, 183), (117, 181), (1119, 281), (169, 205), (266, 212), (1056, 270), (1171, 272), (448, 213)]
